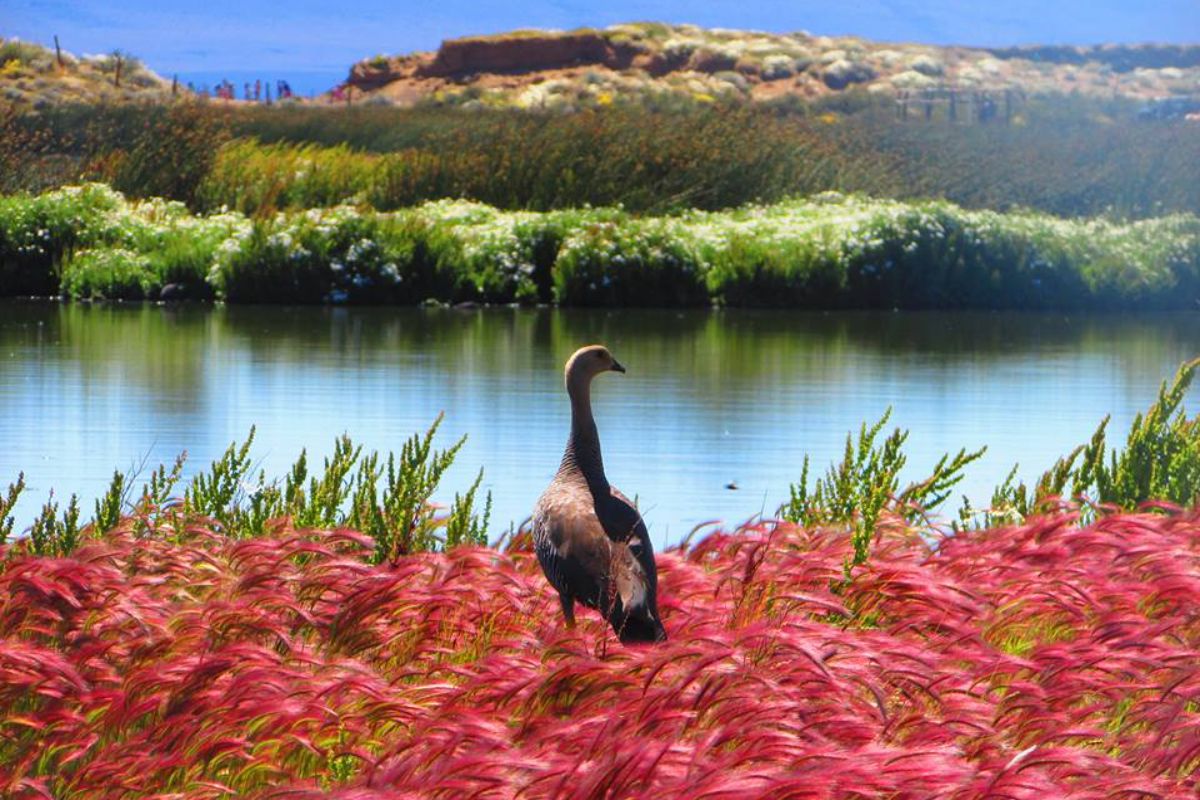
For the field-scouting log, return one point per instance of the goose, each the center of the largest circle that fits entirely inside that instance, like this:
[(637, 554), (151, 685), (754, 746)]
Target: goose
[(590, 540)]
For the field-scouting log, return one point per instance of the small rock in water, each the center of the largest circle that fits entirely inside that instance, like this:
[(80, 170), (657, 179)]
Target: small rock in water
[(173, 291)]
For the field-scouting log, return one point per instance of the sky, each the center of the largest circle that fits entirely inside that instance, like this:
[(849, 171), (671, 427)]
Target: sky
[(312, 44)]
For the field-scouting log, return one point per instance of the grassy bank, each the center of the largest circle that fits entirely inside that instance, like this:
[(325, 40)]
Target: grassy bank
[(830, 251), (1065, 155), (1083, 164)]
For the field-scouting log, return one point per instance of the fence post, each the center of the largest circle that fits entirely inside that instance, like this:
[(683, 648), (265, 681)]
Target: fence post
[(58, 52), (117, 73)]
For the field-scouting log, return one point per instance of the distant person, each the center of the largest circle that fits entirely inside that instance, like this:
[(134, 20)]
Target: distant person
[(987, 111)]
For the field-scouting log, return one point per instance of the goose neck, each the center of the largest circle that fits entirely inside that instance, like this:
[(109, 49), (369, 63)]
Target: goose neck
[(583, 448)]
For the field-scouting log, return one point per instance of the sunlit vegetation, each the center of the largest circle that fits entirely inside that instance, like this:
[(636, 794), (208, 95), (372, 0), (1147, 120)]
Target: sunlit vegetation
[(1066, 155), (1160, 460), (40, 78), (830, 251), (386, 499)]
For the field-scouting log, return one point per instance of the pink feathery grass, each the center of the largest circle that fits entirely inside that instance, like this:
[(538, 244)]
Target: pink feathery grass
[(1047, 660)]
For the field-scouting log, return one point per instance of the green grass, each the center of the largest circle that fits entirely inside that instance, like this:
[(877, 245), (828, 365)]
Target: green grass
[(830, 251), (1065, 155)]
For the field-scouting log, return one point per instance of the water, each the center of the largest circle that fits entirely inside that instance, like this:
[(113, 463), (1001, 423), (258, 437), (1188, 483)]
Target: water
[(710, 399)]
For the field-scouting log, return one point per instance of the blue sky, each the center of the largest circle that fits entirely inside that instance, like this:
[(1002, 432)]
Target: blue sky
[(313, 43)]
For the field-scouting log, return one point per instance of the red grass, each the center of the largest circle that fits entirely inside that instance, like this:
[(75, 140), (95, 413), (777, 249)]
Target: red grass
[(1043, 661)]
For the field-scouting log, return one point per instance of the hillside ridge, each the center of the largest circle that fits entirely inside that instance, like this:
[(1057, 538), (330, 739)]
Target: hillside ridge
[(595, 66)]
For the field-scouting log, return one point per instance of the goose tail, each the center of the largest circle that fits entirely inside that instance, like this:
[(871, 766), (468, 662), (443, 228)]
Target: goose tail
[(640, 628)]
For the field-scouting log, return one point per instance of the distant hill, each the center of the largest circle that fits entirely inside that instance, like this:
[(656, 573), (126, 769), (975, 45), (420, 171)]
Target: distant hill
[(32, 76), (556, 69)]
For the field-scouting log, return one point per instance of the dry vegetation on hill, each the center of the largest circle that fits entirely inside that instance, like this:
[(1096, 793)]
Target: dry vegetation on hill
[(32, 76), (589, 67)]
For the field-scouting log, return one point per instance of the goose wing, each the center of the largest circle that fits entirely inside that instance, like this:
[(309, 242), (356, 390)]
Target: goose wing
[(572, 546)]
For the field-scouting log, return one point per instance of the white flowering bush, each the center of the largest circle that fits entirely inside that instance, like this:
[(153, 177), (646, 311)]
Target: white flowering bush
[(109, 273), (829, 250), (36, 233), (629, 262), (333, 255)]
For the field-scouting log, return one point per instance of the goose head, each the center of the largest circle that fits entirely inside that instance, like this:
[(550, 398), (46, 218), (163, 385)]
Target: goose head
[(587, 363)]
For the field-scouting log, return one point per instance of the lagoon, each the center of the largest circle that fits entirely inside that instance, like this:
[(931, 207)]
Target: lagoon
[(712, 399)]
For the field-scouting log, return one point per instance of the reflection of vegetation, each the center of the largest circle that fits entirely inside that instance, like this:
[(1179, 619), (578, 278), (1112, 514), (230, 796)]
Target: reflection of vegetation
[(160, 349), (168, 348)]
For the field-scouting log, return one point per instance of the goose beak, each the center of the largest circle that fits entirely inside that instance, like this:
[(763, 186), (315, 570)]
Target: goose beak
[(616, 367)]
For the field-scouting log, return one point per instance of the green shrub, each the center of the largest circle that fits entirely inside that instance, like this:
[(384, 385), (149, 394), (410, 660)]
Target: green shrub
[(830, 251), (109, 273), (857, 491), (632, 263), (1159, 462), (7, 502), (36, 233), (51, 536), (388, 500)]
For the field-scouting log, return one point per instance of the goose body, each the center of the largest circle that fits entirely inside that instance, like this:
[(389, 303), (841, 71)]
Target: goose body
[(590, 540)]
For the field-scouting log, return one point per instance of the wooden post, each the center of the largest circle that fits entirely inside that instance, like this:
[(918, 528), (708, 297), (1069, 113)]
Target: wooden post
[(928, 106), (117, 73), (58, 52), (174, 85)]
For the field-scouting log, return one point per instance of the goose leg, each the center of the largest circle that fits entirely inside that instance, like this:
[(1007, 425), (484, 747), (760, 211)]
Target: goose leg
[(568, 607)]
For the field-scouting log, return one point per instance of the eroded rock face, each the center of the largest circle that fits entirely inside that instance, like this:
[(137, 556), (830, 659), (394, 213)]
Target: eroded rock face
[(594, 66), (527, 53), (372, 74)]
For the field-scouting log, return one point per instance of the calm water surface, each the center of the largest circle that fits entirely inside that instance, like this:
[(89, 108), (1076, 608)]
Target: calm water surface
[(710, 399)]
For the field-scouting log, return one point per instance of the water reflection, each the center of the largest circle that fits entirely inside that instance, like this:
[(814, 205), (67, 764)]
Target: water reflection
[(711, 397)]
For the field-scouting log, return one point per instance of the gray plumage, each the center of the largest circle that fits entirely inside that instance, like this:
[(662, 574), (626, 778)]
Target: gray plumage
[(590, 540)]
